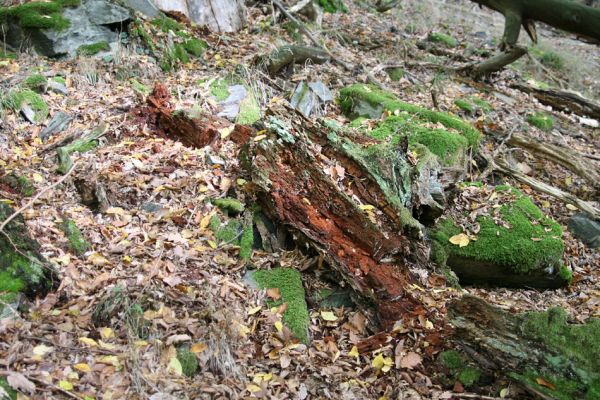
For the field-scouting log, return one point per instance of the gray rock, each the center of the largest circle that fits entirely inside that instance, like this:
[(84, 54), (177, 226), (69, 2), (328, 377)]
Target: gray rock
[(88, 26), (145, 7), (57, 124), (309, 98), (57, 87), (231, 105), (585, 229)]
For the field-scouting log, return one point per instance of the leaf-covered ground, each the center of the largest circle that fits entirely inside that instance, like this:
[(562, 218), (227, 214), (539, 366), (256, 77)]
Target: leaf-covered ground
[(156, 279)]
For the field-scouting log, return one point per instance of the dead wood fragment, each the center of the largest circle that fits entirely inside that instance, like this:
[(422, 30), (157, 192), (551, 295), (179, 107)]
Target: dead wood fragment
[(562, 100), (286, 55)]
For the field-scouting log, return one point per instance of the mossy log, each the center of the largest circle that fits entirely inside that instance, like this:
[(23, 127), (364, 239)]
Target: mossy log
[(550, 357), (85, 143), (292, 54), (562, 100), (292, 184), (22, 268)]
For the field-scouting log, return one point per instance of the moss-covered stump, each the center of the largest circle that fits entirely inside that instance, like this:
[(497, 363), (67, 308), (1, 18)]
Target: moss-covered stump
[(542, 351), (22, 267), (289, 283), (504, 240)]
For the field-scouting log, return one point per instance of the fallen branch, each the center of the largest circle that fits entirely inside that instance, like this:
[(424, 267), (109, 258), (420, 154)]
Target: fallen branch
[(292, 54)]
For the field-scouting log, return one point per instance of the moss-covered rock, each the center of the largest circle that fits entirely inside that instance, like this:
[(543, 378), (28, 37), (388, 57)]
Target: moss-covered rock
[(236, 233), (195, 47), (514, 243), (17, 98), (472, 104), (361, 100), (188, 361), (443, 39), (92, 49), (18, 183), (77, 243), (39, 14), (542, 121), (249, 109), (289, 283), (333, 6), (37, 83), (22, 268), (395, 74)]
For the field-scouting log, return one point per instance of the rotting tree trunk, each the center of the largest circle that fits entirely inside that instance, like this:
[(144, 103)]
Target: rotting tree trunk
[(372, 256), (551, 358), (562, 14), (563, 100)]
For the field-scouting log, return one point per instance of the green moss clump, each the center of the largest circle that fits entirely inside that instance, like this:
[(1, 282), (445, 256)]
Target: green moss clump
[(452, 359), (530, 242), (39, 14), (195, 47), (395, 74), (333, 6), (542, 121), (565, 273), (10, 283), (219, 88), (443, 39), (18, 183), (16, 99), (77, 242), (188, 360), (464, 105), (7, 55), (37, 83), (12, 393), (361, 100), (60, 80), (229, 233), (469, 376), (167, 24), (246, 242), (548, 58), (94, 48), (139, 88), (229, 205), (289, 283)]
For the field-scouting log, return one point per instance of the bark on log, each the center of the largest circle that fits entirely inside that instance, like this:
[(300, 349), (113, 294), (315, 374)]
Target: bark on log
[(560, 155), (548, 356), (563, 100), (372, 256)]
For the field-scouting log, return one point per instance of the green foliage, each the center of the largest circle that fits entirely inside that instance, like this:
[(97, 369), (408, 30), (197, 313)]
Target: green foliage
[(36, 83), (289, 283), (229, 205), (525, 241), (452, 359), (469, 376), (548, 58), (39, 14), (361, 100), (18, 183), (395, 74), (60, 80), (77, 242), (12, 393), (542, 121), (138, 87), (219, 88), (195, 47), (188, 360), (7, 55), (246, 242), (167, 24), (333, 6), (17, 98), (447, 41), (94, 48), (10, 283)]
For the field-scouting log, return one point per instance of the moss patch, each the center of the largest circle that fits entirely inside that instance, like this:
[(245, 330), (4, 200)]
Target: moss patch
[(516, 235), (37, 83), (333, 6), (249, 111), (12, 393), (195, 47), (234, 232), (542, 121), (361, 100), (167, 24), (94, 48), (17, 98), (289, 283), (452, 359), (229, 205), (77, 242), (219, 88), (39, 14), (395, 74), (19, 184), (188, 360), (445, 40), (469, 376)]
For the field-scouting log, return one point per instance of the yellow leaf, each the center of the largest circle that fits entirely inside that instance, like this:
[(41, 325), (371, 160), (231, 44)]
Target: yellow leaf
[(65, 385), (241, 182), (572, 207), (110, 360), (279, 326), (175, 366), (115, 211), (83, 367), (212, 244), (141, 343), (546, 204), (367, 207), (381, 363), (88, 341), (253, 388), (354, 352), (198, 347), (42, 350), (461, 240), (107, 333), (37, 178), (254, 310), (328, 316), (98, 260)]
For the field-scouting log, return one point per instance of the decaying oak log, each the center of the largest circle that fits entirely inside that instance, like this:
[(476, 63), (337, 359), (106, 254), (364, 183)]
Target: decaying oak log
[(372, 255), (560, 155), (563, 100), (550, 357)]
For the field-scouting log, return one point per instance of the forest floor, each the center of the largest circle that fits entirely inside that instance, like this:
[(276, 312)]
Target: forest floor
[(153, 246)]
